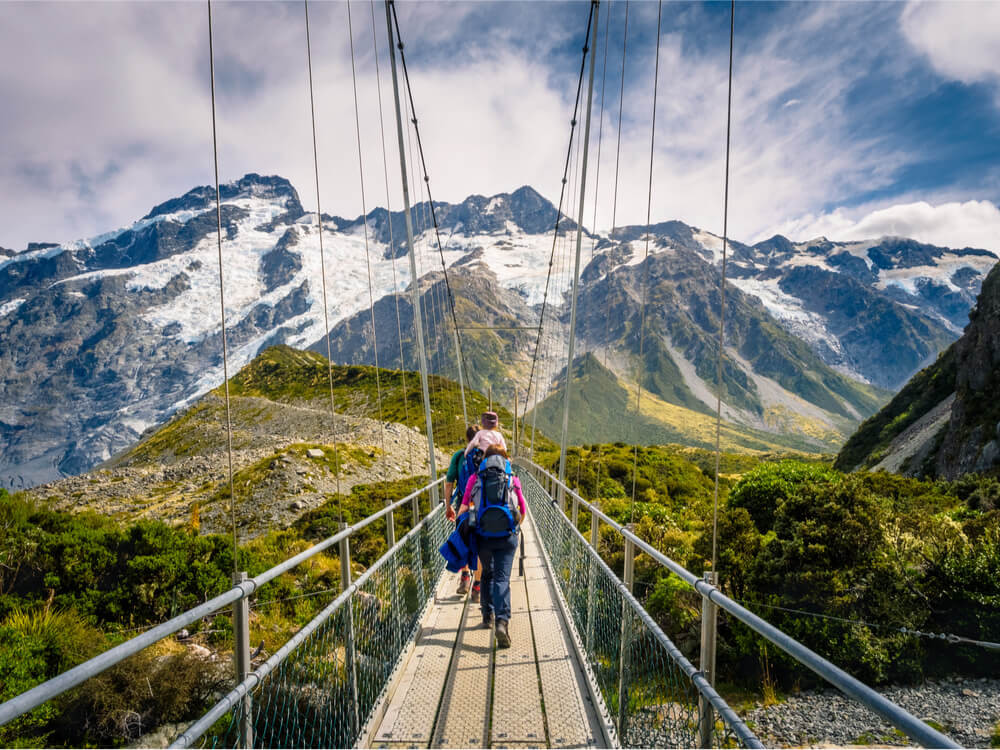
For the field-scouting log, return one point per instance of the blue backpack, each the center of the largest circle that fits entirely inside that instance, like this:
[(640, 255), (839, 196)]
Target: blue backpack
[(494, 509), (466, 469)]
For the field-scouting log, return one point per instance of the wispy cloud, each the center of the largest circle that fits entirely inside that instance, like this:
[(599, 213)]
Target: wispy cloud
[(91, 140)]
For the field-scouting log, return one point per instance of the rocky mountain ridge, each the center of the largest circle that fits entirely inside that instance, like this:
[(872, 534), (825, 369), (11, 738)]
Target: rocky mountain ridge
[(946, 421), (101, 339)]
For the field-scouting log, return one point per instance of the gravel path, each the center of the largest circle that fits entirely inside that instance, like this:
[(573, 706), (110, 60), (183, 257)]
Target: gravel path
[(967, 709)]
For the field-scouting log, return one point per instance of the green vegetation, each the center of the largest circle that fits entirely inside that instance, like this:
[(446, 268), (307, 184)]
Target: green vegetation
[(73, 585), (603, 408), (926, 389)]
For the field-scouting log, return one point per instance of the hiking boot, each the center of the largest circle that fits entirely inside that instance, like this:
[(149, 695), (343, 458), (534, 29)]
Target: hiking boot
[(503, 637), (475, 592), (488, 621), (463, 585)]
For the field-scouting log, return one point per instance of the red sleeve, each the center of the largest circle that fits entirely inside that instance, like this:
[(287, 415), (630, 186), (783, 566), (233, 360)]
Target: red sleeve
[(520, 497), (467, 496)]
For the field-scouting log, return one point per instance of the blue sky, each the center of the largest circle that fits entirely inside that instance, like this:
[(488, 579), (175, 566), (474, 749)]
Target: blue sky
[(850, 119)]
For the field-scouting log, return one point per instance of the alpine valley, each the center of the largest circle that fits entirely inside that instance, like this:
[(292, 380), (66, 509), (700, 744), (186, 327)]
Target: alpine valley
[(105, 338)]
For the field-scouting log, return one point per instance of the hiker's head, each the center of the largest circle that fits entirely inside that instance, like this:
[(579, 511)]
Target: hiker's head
[(495, 450), (470, 432), (489, 420)]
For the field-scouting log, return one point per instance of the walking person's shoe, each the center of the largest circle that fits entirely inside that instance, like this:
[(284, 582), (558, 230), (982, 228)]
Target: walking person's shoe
[(503, 637), (488, 620), (475, 592), (463, 585)]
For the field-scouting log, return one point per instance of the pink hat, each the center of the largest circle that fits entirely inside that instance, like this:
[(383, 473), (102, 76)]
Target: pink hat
[(489, 419)]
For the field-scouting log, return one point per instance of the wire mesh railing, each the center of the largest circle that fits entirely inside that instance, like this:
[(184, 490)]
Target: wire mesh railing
[(324, 685), (640, 708), (651, 690), (316, 690)]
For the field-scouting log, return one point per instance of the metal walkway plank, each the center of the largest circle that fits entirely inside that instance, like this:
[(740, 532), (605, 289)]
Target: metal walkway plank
[(570, 713), (517, 700), (462, 720), (409, 718)]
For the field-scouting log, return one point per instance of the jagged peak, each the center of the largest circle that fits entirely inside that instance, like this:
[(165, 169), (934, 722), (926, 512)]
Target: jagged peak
[(251, 184)]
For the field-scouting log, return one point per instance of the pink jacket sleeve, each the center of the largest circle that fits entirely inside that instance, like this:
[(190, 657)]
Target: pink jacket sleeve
[(520, 497), (467, 495)]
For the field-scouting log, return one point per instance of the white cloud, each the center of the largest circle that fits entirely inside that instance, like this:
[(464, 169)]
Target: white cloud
[(954, 224), (961, 39)]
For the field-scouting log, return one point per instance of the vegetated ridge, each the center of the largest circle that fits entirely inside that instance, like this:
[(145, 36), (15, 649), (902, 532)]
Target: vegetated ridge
[(946, 421)]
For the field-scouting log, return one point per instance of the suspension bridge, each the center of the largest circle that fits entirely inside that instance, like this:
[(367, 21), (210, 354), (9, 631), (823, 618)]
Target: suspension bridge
[(396, 658)]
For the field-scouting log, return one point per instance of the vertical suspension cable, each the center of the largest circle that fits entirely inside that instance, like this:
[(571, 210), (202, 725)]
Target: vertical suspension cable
[(583, 147), (600, 128), (222, 293), (322, 271), (555, 238), (722, 293), (646, 264), (392, 244), (614, 208), (368, 261)]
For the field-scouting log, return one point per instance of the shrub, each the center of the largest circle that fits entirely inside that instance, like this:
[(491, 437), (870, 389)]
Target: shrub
[(766, 487)]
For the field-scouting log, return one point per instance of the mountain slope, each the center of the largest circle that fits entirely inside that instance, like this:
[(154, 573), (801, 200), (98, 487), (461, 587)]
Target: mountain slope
[(946, 421), (102, 338)]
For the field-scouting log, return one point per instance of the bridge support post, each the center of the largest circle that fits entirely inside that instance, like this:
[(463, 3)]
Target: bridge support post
[(576, 511), (390, 537), (350, 655), (709, 622), (241, 657), (623, 655), (595, 535)]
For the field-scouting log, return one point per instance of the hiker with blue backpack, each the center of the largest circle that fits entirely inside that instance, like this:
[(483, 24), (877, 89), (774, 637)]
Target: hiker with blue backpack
[(460, 468), (496, 508)]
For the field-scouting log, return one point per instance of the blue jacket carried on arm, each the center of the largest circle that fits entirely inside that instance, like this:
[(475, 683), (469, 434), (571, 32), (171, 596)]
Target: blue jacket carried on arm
[(460, 548)]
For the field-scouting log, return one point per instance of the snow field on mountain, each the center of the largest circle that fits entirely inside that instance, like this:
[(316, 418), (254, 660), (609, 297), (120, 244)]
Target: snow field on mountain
[(940, 273), (8, 307)]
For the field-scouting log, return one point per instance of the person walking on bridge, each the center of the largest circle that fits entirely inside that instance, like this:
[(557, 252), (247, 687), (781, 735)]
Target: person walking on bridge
[(459, 471), (496, 508)]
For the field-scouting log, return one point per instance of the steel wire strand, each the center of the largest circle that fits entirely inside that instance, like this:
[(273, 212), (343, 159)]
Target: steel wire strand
[(722, 294), (322, 270), (646, 264), (368, 261), (222, 292), (392, 244), (614, 212), (430, 200), (555, 238)]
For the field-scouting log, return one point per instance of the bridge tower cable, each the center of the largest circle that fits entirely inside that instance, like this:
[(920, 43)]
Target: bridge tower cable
[(585, 143), (645, 262), (413, 261), (222, 291), (614, 207), (722, 294), (437, 231), (322, 268), (392, 243), (555, 238), (368, 260)]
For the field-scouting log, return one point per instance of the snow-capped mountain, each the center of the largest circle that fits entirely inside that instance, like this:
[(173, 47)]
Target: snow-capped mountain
[(101, 339)]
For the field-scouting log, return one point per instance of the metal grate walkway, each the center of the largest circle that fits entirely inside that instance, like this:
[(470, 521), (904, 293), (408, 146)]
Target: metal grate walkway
[(458, 690)]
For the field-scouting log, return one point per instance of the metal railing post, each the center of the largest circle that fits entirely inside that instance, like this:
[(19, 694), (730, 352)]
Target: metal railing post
[(349, 650), (241, 659), (576, 510), (595, 535), (709, 623), (623, 655), (390, 537)]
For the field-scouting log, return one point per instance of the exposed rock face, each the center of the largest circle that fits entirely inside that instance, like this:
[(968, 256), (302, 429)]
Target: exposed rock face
[(101, 339), (946, 421)]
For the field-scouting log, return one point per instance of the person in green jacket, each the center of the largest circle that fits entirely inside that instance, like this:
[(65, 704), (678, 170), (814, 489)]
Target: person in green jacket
[(452, 499)]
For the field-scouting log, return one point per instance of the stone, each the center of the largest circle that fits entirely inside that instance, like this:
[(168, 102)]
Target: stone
[(315, 453), (200, 651)]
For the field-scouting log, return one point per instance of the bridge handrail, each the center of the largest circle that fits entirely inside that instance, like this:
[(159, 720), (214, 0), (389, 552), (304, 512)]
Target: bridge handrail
[(233, 697), (36, 696), (899, 717)]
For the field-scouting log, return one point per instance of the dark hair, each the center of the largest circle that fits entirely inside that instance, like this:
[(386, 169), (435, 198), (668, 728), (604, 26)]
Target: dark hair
[(470, 432), (495, 450)]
